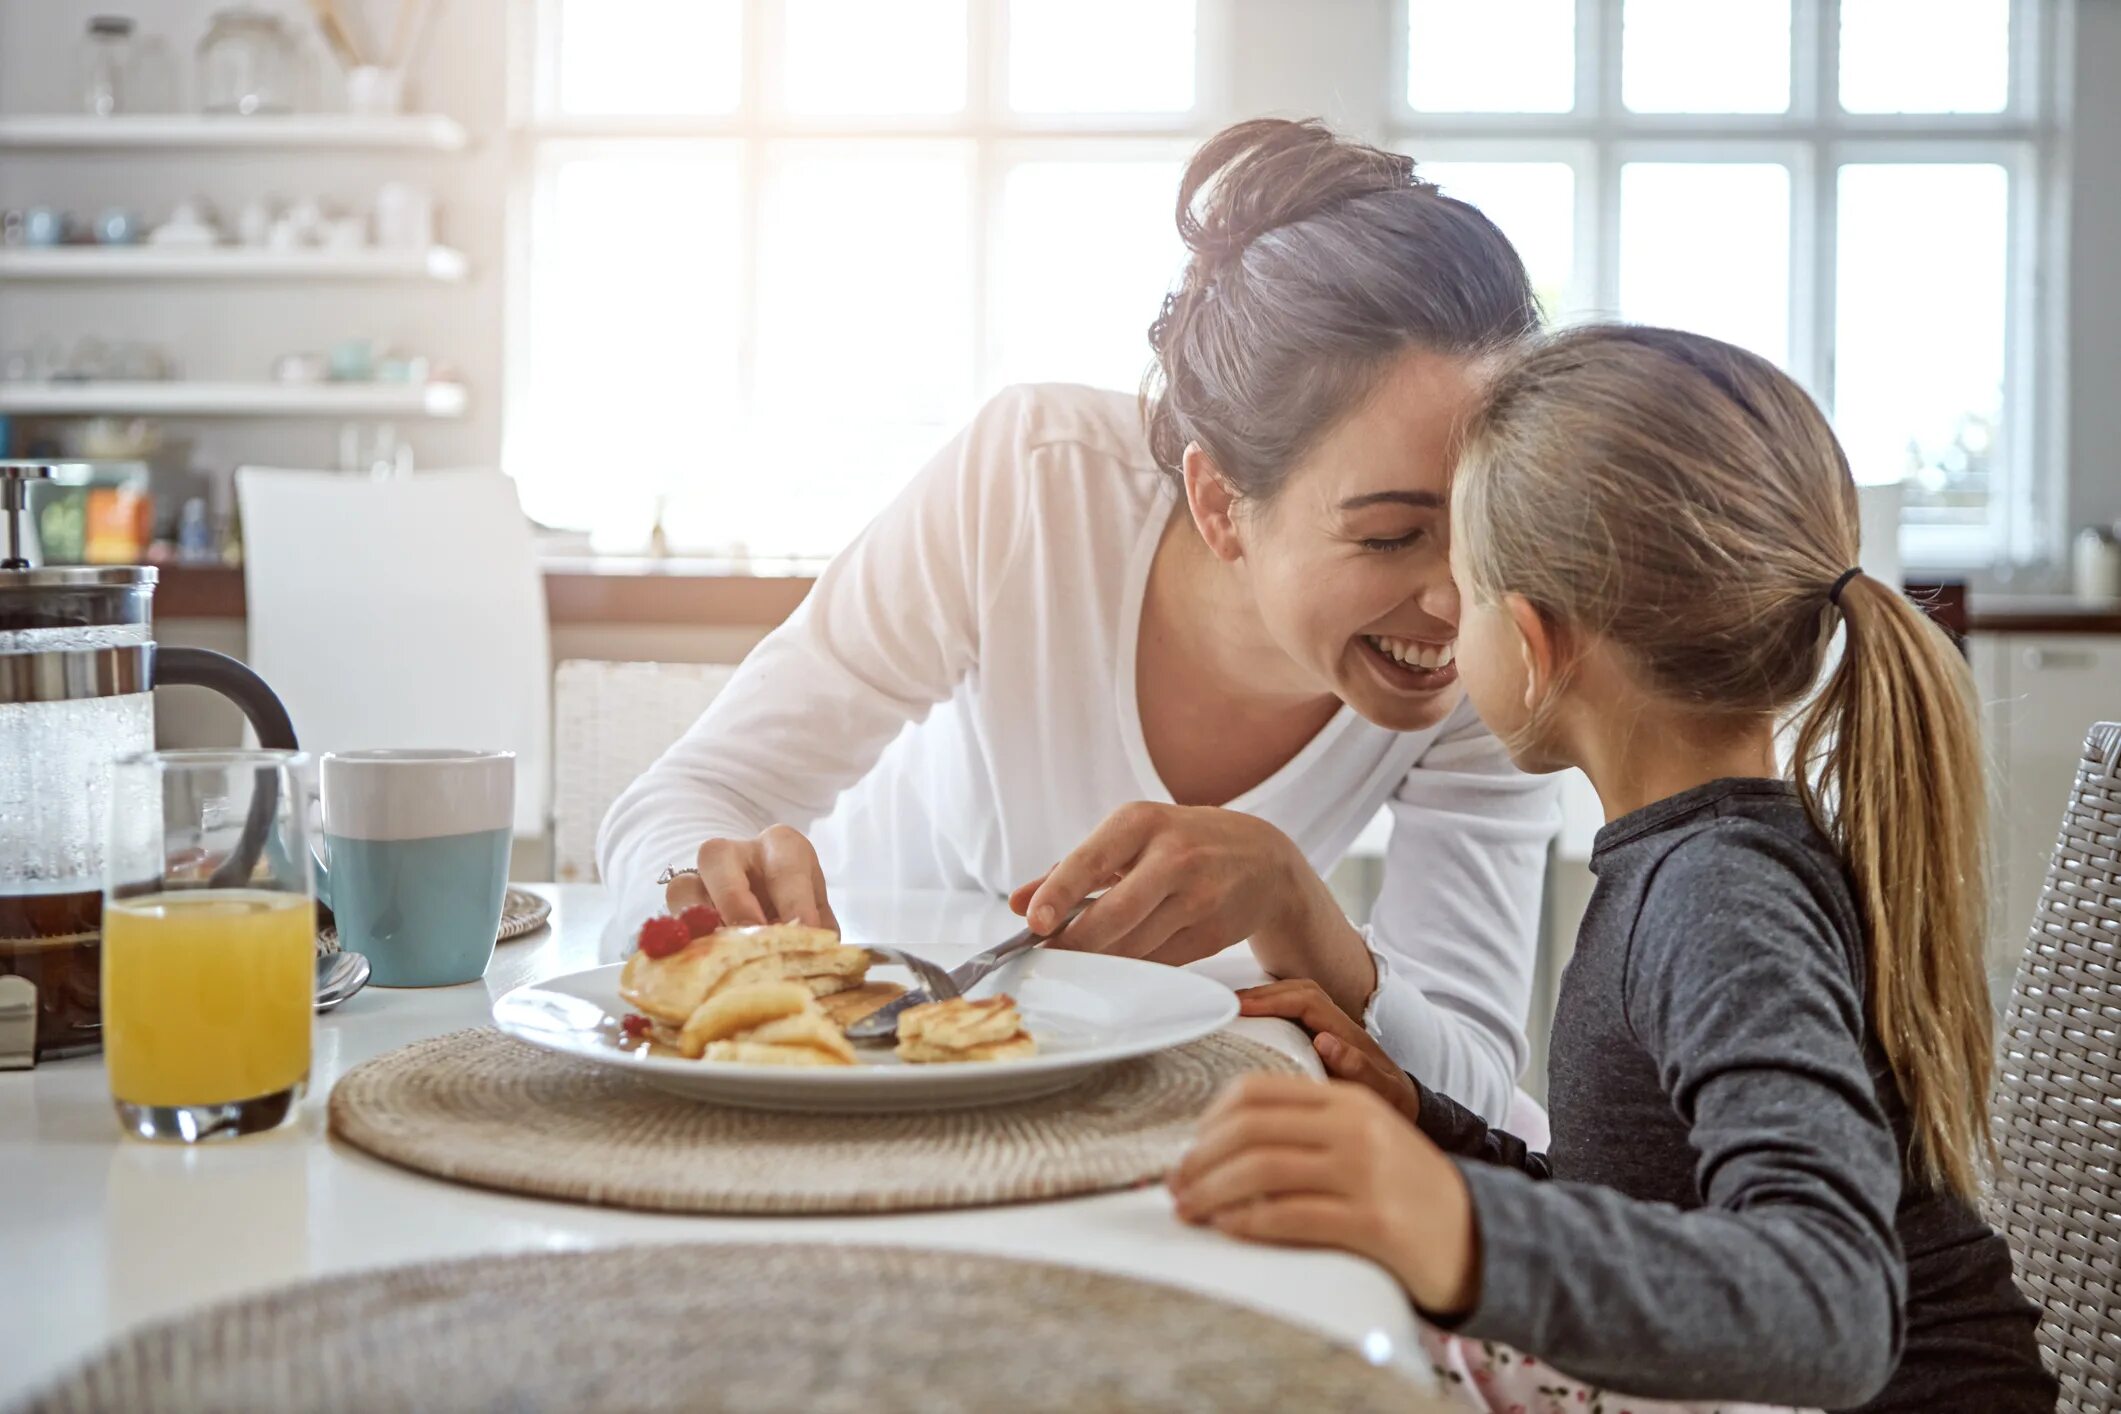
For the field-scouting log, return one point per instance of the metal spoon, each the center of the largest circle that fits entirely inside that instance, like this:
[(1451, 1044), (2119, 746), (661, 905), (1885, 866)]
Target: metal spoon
[(339, 976)]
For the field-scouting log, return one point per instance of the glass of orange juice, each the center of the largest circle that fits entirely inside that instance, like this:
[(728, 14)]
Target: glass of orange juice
[(209, 943)]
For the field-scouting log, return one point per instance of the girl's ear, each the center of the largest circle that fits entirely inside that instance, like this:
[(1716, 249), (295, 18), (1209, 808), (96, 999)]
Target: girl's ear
[(1540, 645), (1212, 502)]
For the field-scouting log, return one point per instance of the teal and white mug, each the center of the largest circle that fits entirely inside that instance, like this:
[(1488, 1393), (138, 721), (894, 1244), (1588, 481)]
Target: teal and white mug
[(414, 859)]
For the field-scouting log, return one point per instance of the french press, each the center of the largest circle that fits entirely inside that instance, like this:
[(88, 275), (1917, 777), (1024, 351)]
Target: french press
[(77, 672)]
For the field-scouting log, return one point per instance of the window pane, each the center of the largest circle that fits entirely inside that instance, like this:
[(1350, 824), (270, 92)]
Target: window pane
[(1682, 56), (874, 56), (1706, 246), (1087, 250), (1499, 56), (624, 331), (647, 56), (1535, 205), (1925, 56), (1101, 56), (1921, 284), (864, 341)]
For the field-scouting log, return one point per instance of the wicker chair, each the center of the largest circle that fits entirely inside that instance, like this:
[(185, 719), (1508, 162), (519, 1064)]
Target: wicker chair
[(610, 722), (2058, 1092)]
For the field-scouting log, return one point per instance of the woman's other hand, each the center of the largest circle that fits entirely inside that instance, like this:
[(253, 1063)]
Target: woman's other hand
[(772, 878), (1184, 882), (1181, 883)]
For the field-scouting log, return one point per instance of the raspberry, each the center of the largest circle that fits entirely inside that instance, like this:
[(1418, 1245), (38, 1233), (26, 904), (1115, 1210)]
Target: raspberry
[(662, 935), (635, 1026), (700, 920)]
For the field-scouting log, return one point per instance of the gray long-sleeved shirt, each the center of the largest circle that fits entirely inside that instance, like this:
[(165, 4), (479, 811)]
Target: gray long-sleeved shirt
[(1728, 1217)]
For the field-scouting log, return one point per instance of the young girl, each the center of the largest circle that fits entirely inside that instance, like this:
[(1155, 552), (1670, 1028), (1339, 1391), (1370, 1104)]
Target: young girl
[(1771, 1049)]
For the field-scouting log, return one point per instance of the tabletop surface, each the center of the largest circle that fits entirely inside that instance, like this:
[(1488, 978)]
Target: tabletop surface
[(99, 1233)]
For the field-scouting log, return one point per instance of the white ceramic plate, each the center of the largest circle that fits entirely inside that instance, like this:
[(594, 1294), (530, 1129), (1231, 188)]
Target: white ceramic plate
[(1085, 1009)]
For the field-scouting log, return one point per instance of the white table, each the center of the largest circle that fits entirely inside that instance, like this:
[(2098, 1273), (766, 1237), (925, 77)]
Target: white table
[(99, 1233)]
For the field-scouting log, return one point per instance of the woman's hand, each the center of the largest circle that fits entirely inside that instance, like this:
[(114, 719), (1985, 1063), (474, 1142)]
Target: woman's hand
[(1184, 882), (773, 878), (1346, 1050), (1181, 883), (1298, 1163)]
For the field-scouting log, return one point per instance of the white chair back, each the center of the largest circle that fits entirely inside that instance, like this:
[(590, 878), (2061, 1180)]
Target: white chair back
[(405, 613), (610, 723)]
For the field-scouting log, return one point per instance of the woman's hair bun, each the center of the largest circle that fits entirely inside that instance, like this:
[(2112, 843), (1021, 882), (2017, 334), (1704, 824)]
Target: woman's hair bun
[(1258, 176), (1315, 260)]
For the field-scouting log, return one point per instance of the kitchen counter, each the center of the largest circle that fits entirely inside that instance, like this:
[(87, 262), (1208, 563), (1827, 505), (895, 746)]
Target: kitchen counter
[(2041, 613), (584, 590), (715, 593)]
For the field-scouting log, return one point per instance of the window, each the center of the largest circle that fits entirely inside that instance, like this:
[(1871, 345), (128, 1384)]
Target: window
[(777, 251), (772, 253), (1848, 187)]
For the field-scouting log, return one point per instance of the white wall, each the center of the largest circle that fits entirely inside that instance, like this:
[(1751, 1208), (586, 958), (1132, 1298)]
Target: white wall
[(234, 329)]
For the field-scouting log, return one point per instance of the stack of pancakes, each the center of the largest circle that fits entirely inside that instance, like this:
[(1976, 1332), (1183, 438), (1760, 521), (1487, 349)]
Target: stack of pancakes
[(832, 979), (963, 1030), (764, 1023)]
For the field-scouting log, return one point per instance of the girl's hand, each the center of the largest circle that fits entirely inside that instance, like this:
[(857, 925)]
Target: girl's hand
[(1182, 883), (1291, 1161), (773, 878), (1347, 1051)]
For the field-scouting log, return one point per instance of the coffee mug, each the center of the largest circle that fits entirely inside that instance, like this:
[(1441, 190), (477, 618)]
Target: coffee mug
[(414, 859), (43, 226), (117, 226)]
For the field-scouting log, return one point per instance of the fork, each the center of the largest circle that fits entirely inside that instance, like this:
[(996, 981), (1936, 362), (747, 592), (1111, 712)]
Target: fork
[(934, 981), (882, 1024)]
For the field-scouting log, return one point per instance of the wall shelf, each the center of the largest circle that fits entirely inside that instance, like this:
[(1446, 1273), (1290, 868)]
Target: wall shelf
[(439, 263), (428, 132), (186, 398)]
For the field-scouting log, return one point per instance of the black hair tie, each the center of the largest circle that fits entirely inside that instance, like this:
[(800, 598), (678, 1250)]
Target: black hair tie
[(1833, 596)]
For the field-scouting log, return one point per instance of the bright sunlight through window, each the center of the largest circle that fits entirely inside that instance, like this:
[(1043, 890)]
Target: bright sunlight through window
[(779, 250)]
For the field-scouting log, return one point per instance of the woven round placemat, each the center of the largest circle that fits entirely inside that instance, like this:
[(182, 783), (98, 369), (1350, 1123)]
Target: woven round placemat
[(522, 912), (478, 1107), (837, 1330)]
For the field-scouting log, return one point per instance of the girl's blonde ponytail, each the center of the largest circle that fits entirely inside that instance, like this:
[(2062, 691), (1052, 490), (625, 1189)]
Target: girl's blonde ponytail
[(1889, 756)]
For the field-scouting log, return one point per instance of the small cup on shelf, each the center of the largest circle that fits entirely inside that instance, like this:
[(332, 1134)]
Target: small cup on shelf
[(43, 226), (117, 226), (405, 217), (353, 361)]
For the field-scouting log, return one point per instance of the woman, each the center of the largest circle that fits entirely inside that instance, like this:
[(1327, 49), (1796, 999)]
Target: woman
[(1041, 672)]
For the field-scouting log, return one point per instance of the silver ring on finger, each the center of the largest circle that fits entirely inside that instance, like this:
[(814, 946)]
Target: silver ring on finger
[(676, 872)]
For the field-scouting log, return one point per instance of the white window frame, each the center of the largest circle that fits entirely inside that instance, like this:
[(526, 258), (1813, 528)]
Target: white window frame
[(1815, 137), (997, 136)]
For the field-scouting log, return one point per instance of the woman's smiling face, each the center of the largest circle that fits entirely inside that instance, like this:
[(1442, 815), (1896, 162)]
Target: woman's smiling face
[(1350, 563)]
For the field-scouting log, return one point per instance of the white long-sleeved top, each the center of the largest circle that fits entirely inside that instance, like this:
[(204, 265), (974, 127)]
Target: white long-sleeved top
[(954, 706)]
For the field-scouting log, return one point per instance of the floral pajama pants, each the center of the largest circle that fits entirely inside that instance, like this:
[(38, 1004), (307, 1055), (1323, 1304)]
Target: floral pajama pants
[(1481, 1375)]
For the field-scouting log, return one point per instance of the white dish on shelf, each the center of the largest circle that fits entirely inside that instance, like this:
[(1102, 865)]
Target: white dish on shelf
[(1086, 1010)]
